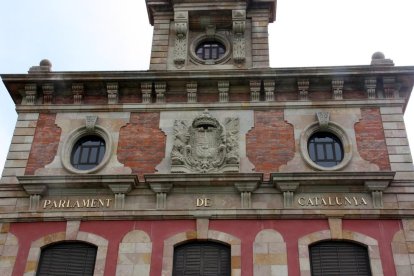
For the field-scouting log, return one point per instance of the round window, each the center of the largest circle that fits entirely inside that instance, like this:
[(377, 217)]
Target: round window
[(325, 149), (210, 50), (88, 152)]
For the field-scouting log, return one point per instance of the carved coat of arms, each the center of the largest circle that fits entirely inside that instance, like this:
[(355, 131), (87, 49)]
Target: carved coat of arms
[(204, 145)]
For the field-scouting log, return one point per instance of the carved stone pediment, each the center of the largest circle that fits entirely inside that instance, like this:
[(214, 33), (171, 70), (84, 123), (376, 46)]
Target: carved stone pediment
[(204, 145)]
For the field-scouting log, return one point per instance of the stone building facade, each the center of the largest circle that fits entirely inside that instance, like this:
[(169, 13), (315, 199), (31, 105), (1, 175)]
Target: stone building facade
[(210, 148)]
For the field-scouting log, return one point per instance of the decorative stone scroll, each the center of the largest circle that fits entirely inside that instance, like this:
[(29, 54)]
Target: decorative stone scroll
[(120, 190), (31, 93), (160, 89), (390, 88), (205, 146), (181, 29), (192, 92), (246, 190), (376, 188), (223, 88), (35, 192), (269, 88), (239, 43), (337, 88), (255, 90), (288, 189), (112, 90), (370, 87), (323, 118), (90, 122), (303, 88), (48, 91), (146, 90), (77, 91)]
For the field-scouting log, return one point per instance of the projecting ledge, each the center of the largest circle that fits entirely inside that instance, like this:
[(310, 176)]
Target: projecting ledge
[(320, 178), (207, 179), (117, 183)]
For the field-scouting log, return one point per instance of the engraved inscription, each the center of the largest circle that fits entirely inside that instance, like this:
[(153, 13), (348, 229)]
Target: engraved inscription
[(78, 203)]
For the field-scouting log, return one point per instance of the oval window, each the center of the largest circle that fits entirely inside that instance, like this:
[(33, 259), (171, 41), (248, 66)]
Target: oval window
[(325, 149), (210, 50), (88, 152)]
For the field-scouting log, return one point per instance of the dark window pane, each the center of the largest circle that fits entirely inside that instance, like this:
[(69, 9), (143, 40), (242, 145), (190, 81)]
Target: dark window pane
[(88, 152), (210, 50), (325, 149)]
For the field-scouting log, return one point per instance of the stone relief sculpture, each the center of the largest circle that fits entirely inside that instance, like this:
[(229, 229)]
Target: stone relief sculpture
[(204, 145)]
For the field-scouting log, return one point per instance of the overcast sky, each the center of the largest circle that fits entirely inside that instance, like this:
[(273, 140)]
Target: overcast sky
[(82, 35)]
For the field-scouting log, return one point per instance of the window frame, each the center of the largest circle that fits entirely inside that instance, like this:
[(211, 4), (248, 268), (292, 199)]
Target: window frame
[(74, 137), (217, 37), (336, 130), (93, 152), (333, 147)]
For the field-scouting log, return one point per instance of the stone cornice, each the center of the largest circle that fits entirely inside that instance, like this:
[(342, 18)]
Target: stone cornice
[(285, 80), (141, 107), (303, 214)]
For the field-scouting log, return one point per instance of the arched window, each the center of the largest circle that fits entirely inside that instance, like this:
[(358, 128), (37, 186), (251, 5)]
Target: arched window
[(339, 258), (202, 258), (67, 259)]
